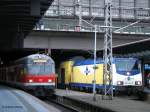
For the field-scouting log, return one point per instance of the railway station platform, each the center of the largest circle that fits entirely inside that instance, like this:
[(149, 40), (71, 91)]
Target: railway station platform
[(147, 90), (118, 104), (14, 100)]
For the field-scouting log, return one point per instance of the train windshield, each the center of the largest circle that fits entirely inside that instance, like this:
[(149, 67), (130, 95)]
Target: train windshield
[(40, 69), (126, 65)]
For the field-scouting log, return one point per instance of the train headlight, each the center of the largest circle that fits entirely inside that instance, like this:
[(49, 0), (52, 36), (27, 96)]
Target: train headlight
[(49, 80), (119, 82), (137, 82), (128, 73), (30, 80)]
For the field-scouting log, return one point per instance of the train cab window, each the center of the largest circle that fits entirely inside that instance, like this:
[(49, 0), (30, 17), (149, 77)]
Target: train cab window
[(127, 65), (39, 69)]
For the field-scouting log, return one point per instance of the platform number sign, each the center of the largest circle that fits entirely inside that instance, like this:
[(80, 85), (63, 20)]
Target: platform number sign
[(87, 71)]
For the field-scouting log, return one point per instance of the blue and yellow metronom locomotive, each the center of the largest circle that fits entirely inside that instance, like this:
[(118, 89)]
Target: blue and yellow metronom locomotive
[(80, 74)]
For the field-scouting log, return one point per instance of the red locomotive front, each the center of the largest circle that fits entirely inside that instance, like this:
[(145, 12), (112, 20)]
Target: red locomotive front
[(39, 75), (34, 73)]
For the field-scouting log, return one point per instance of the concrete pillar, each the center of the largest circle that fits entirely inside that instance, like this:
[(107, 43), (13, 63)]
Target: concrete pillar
[(135, 14), (17, 40), (90, 7), (149, 6), (35, 8)]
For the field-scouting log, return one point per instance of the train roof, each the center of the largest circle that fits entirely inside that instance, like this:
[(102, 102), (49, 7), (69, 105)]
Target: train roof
[(75, 59), (98, 61), (35, 56), (87, 62)]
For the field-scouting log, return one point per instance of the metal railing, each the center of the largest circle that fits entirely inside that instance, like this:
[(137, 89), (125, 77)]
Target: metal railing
[(76, 28)]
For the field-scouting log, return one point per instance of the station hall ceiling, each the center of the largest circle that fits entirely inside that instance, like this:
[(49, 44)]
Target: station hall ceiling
[(20, 16)]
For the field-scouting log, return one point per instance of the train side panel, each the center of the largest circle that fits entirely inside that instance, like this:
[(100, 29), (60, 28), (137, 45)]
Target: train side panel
[(83, 75)]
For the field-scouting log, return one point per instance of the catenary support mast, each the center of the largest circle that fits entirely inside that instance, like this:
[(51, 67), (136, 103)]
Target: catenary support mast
[(107, 55)]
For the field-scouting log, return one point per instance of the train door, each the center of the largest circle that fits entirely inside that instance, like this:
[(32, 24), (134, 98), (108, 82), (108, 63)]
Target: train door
[(147, 74), (62, 76)]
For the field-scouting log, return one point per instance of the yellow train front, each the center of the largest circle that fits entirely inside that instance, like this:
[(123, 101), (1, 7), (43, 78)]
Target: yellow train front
[(65, 74), (80, 74)]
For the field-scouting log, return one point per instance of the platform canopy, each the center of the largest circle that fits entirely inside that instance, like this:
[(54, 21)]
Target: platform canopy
[(140, 49)]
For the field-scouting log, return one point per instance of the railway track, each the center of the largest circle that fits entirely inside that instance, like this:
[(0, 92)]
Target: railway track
[(60, 105), (75, 105)]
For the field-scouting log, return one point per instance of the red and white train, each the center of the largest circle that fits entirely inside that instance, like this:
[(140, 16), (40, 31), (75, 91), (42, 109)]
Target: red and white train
[(34, 73)]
